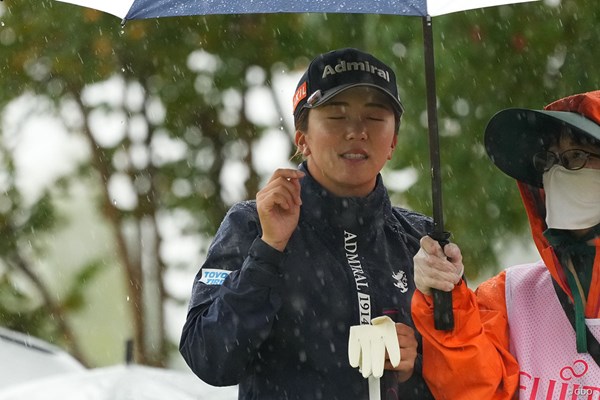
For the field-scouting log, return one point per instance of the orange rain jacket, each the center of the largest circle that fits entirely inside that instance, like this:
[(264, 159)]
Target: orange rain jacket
[(473, 361)]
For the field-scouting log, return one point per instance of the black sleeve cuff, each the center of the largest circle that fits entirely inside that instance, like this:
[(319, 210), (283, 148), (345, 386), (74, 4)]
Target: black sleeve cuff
[(263, 264), (264, 253)]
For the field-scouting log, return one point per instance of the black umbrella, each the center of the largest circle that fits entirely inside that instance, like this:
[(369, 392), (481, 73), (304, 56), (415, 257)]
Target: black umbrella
[(426, 9)]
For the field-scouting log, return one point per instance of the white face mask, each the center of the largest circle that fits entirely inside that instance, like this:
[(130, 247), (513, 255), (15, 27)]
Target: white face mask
[(572, 197)]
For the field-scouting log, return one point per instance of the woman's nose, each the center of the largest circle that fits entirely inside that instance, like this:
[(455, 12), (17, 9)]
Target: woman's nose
[(356, 129)]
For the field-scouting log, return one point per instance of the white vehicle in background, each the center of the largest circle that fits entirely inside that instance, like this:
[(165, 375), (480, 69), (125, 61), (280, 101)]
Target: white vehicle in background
[(24, 358), (32, 369)]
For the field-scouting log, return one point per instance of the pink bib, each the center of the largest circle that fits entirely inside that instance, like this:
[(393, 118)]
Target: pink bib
[(543, 340)]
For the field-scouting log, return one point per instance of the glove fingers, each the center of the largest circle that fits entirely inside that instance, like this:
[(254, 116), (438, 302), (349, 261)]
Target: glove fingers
[(378, 356), (384, 319), (366, 357), (367, 346), (393, 348), (354, 347), (388, 328)]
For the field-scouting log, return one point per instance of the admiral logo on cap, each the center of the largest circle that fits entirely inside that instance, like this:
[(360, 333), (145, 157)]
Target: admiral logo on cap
[(331, 73)]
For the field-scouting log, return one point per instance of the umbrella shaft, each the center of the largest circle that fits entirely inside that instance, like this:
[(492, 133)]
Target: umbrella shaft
[(442, 304), (432, 121)]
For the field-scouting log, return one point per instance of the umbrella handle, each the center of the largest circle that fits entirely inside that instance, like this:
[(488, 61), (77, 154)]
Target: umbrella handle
[(443, 317)]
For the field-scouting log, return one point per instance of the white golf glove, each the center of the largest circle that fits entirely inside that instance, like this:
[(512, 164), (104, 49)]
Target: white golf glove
[(367, 345)]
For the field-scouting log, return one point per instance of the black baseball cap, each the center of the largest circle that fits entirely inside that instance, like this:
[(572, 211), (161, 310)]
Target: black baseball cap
[(331, 73)]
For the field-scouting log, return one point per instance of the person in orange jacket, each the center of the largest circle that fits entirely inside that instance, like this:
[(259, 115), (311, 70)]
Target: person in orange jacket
[(532, 331)]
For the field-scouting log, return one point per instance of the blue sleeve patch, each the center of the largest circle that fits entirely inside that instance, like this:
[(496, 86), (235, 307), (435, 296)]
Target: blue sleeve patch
[(214, 276)]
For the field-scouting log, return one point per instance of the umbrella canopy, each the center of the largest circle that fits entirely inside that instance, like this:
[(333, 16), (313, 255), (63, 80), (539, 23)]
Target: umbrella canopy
[(122, 382), (140, 9)]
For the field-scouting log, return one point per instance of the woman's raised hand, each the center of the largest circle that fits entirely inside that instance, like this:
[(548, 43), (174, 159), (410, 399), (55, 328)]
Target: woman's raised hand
[(278, 205)]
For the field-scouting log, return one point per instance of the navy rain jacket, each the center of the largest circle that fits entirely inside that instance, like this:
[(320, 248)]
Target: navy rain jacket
[(278, 323)]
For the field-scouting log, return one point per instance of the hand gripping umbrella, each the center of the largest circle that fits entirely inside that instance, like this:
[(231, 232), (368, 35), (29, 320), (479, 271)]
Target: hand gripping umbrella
[(141, 9)]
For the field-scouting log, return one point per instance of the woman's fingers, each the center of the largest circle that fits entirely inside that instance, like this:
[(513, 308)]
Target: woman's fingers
[(277, 195), (283, 184), (278, 205), (437, 268), (286, 173)]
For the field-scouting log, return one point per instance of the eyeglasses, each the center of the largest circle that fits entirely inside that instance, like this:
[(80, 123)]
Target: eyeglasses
[(573, 159)]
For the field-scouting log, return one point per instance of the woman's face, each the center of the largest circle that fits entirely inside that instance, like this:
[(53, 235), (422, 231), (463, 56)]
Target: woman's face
[(348, 141), (566, 142)]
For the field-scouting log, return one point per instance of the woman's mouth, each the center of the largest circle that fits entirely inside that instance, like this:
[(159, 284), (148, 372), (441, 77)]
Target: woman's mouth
[(354, 156)]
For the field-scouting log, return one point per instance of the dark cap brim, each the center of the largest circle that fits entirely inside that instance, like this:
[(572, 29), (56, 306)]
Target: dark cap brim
[(398, 107), (514, 135)]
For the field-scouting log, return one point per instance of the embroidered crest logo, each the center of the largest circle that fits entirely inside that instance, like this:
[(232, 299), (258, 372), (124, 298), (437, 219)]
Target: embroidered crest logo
[(401, 281)]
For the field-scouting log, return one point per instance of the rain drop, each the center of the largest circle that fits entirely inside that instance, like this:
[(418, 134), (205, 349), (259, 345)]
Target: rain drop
[(302, 356)]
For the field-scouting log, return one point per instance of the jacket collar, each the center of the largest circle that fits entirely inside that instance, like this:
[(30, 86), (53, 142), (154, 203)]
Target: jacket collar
[(358, 213)]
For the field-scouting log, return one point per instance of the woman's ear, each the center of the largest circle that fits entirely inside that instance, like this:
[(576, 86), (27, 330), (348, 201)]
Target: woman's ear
[(392, 147), (302, 144)]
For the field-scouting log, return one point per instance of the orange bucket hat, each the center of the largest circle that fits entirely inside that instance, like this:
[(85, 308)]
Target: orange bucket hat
[(514, 135)]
